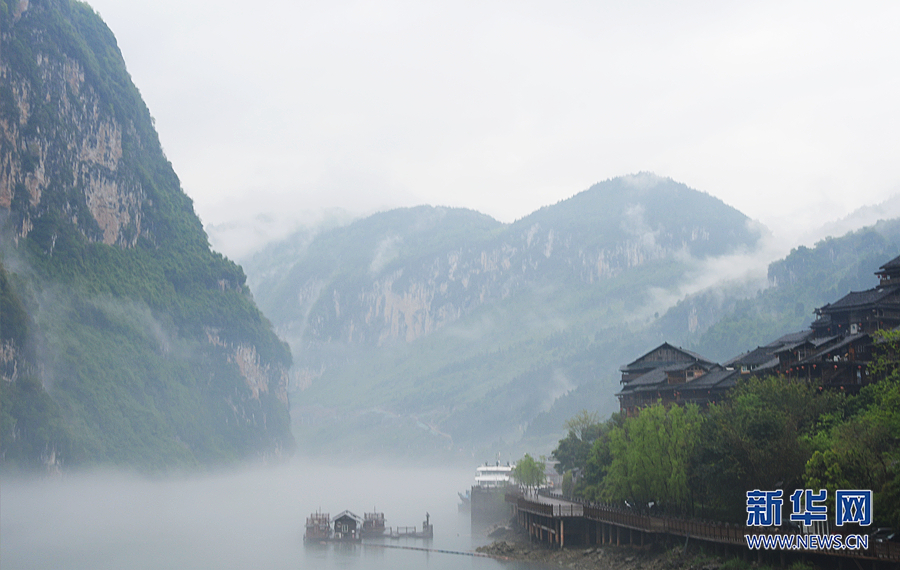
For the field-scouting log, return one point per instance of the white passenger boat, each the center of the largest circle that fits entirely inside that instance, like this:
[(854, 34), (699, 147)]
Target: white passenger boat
[(493, 476)]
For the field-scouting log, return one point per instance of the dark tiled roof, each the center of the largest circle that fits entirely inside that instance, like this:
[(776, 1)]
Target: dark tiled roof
[(791, 338), (757, 357), (862, 298), (892, 264), (847, 340), (764, 356), (711, 380), (660, 374), (638, 365), (651, 378), (657, 381), (813, 343)]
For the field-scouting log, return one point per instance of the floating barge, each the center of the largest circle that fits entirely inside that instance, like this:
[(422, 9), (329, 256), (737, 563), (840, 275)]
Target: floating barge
[(318, 527), (347, 527), (373, 525)]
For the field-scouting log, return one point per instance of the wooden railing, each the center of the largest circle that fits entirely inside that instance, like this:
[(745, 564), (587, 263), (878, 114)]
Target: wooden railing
[(887, 551), (704, 530)]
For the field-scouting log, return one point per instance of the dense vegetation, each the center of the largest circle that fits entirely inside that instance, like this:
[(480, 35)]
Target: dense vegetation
[(770, 434), (119, 353), (529, 472)]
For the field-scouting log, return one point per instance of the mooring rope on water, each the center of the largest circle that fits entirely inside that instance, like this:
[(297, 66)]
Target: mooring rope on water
[(457, 552)]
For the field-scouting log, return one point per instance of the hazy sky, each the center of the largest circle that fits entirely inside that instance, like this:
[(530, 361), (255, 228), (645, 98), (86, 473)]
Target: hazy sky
[(787, 111)]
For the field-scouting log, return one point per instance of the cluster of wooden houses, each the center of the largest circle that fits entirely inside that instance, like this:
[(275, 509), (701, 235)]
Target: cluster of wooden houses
[(833, 353), (348, 527)]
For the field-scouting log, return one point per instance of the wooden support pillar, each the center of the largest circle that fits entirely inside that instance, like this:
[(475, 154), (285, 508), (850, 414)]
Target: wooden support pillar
[(562, 533)]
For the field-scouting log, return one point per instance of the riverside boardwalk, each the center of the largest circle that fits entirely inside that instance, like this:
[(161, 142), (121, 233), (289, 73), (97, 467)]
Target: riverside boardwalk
[(561, 522)]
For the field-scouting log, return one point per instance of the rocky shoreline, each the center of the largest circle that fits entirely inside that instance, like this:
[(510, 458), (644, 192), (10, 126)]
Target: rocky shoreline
[(514, 545)]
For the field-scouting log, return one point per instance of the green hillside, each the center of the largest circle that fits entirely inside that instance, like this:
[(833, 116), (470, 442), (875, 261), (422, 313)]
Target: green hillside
[(806, 279), (133, 343)]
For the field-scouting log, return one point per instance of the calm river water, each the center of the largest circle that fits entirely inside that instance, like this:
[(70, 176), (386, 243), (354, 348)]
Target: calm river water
[(249, 518)]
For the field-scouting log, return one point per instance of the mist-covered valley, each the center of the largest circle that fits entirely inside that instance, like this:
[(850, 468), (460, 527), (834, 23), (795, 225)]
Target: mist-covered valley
[(435, 332), (243, 517)]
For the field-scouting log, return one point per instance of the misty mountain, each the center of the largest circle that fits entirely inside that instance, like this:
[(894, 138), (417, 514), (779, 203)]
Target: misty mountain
[(728, 319), (427, 328), (808, 278), (125, 339)]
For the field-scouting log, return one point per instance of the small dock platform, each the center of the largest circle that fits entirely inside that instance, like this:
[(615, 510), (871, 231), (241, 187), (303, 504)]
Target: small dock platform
[(410, 531)]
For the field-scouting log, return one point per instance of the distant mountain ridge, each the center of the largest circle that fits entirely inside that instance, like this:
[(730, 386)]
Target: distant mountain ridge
[(363, 304), (400, 274)]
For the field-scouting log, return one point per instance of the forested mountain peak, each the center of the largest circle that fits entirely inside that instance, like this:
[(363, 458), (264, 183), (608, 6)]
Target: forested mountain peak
[(651, 208)]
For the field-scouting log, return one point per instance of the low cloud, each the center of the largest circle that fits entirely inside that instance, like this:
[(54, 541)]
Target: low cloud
[(387, 250)]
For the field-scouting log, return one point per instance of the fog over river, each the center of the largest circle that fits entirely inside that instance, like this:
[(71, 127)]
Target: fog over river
[(247, 518)]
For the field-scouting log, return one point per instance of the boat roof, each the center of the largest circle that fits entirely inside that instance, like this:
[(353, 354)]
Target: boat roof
[(347, 514), (504, 468)]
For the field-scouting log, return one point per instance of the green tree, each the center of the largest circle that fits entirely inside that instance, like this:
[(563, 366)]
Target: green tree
[(529, 472), (886, 361), (863, 451), (573, 451), (761, 438), (599, 458), (584, 425), (651, 455), (568, 484)]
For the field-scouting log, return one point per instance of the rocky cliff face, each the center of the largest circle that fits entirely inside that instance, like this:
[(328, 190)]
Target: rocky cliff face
[(412, 301), (58, 134), (147, 342), (398, 294)]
